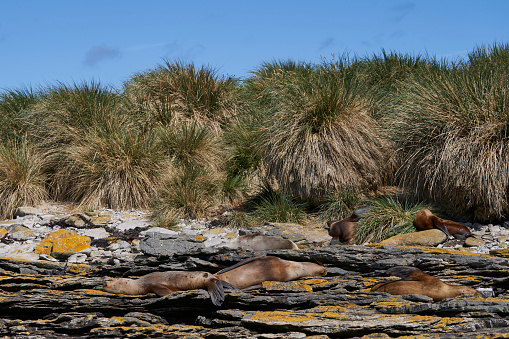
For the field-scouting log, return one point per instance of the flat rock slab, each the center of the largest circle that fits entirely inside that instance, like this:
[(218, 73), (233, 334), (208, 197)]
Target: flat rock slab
[(53, 302)]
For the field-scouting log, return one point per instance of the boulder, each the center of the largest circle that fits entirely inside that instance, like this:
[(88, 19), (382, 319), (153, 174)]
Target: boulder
[(63, 243), (432, 237), (19, 232), (26, 210)]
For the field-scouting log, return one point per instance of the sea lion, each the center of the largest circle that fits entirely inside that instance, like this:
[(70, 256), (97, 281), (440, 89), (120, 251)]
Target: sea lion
[(260, 242), (162, 283), (415, 281), (250, 273), (425, 220), (342, 231)]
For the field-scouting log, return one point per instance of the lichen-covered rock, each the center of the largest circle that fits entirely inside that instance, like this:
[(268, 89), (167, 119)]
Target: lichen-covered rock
[(432, 237), (63, 243)]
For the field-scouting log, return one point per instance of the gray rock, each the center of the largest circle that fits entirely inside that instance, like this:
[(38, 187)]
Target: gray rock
[(159, 230), (163, 244), (26, 210), (132, 224), (19, 232), (96, 233)]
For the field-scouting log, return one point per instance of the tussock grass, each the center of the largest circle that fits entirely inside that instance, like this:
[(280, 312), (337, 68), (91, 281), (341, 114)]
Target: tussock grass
[(321, 138), (22, 176), (190, 144), (111, 167), (66, 112), (189, 192), (386, 216), (180, 91), (452, 131), (339, 205), (15, 109), (271, 205)]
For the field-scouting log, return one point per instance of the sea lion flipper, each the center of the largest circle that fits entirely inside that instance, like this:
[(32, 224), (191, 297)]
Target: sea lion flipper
[(216, 293), (240, 263), (404, 272), (441, 226), (228, 285)]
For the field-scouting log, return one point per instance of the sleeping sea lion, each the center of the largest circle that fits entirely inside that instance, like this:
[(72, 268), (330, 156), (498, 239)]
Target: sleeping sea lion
[(415, 281), (162, 283), (260, 242), (250, 273), (425, 220)]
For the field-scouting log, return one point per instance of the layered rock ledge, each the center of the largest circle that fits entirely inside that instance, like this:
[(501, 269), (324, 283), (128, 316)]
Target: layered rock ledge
[(39, 299)]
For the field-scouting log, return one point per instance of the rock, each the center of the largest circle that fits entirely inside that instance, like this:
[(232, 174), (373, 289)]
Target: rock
[(159, 230), (26, 210), (471, 242), (424, 238), (96, 233), (19, 232), (77, 220), (62, 244), (132, 224), (100, 220), (165, 244), (299, 234), (77, 258)]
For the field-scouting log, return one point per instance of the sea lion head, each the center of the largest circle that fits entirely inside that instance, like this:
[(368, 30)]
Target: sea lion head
[(119, 285)]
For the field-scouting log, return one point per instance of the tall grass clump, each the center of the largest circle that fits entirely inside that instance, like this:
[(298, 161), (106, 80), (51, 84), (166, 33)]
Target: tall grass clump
[(386, 216), (452, 129), (113, 167), (271, 205), (187, 193), (180, 91), (22, 176), (67, 112), (339, 204), (319, 137), (15, 110)]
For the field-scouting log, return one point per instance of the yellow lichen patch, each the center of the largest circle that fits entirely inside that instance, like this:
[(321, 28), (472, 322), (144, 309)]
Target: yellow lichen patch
[(230, 235), (290, 286), (3, 232), (62, 242), (370, 281), (199, 238), (281, 316), (447, 321)]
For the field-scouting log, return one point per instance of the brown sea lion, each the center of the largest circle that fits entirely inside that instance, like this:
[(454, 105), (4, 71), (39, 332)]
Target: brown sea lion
[(162, 283), (342, 231), (260, 242), (425, 220), (415, 281), (250, 273)]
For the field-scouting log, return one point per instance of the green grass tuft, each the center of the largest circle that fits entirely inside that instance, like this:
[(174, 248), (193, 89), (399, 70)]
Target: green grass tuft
[(386, 216)]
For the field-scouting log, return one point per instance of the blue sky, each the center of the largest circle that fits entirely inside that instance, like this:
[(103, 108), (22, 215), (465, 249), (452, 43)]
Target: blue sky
[(44, 42)]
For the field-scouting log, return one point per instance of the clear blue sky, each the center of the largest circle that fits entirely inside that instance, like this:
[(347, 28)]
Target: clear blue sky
[(45, 41)]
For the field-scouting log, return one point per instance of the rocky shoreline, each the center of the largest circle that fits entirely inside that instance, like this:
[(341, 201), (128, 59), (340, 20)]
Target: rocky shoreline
[(52, 288)]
